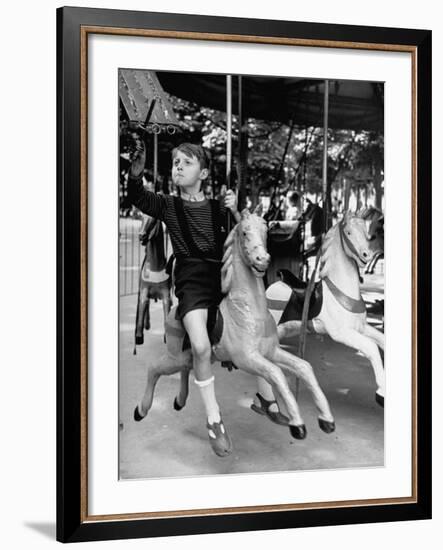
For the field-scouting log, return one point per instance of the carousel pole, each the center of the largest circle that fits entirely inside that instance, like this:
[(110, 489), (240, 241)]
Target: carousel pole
[(228, 129), (325, 154), (155, 168), (305, 266), (304, 320), (228, 136), (240, 138)]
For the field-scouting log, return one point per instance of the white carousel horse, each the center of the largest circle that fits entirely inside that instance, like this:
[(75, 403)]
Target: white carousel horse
[(248, 334), (336, 306)]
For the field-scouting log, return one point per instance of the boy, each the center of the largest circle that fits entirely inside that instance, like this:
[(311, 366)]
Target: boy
[(194, 224)]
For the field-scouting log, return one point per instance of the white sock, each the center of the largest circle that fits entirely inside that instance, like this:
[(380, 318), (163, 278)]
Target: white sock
[(207, 391)]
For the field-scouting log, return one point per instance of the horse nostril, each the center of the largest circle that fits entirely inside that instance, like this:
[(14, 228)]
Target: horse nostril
[(365, 254)]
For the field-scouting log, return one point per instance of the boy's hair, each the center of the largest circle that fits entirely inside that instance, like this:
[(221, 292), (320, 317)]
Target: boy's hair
[(193, 150)]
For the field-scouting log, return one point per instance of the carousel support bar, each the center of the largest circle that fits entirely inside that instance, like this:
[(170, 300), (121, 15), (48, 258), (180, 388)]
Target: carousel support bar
[(240, 138), (155, 170), (325, 153), (228, 129), (150, 110)]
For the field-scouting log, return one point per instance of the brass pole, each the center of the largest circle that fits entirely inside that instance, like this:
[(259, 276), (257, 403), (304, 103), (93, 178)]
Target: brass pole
[(325, 154), (228, 129)]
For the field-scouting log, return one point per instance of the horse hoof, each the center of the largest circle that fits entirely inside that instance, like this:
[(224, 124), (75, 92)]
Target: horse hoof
[(139, 340), (298, 432), (380, 400), (326, 426), (177, 405), (137, 415)]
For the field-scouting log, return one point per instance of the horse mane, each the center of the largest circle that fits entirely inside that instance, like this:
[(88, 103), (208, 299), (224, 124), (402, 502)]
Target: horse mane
[(333, 235), (227, 270), (327, 250)]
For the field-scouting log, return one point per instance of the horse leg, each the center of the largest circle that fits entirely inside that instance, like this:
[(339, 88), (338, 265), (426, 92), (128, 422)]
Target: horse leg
[(368, 347), (147, 317), (167, 303), (259, 365), (375, 335), (302, 369), (180, 400), (142, 302), (167, 364)]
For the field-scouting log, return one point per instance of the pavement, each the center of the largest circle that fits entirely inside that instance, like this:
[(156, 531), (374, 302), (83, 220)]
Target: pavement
[(168, 443)]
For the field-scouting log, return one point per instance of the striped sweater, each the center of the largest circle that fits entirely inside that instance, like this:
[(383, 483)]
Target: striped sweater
[(198, 219)]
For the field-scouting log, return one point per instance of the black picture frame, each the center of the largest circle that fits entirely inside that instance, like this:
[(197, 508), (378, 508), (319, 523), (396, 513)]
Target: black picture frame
[(73, 523)]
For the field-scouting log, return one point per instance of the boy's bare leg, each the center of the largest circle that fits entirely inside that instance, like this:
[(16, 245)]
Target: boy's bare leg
[(195, 324)]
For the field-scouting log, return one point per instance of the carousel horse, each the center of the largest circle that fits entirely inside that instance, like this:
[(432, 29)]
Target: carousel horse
[(244, 332), (154, 281), (336, 306), (374, 219)]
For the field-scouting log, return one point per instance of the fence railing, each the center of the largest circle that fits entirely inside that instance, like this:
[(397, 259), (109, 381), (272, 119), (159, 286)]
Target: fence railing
[(130, 255)]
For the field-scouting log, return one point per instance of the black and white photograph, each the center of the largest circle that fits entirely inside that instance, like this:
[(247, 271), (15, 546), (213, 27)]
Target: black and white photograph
[(220, 233), (251, 274), (243, 268)]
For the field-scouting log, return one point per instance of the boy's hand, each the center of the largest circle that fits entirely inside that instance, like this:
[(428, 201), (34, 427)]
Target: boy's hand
[(138, 159), (231, 201)]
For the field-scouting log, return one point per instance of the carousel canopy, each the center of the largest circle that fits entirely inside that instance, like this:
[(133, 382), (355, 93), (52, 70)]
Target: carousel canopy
[(353, 105), (137, 89)]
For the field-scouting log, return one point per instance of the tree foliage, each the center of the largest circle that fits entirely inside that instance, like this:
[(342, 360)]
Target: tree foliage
[(357, 156)]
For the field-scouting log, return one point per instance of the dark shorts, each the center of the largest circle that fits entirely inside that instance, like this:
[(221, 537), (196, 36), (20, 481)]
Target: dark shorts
[(197, 285)]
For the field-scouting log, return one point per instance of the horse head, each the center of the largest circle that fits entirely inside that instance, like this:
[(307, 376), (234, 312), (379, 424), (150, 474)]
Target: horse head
[(152, 237), (354, 238), (150, 230), (251, 235), (249, 238)]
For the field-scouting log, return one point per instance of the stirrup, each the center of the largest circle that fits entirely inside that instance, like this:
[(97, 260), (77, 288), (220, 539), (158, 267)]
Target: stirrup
[(276, 417)]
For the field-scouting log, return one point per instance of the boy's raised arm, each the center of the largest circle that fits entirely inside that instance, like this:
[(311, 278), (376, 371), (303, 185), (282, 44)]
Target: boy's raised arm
[(146, 201)]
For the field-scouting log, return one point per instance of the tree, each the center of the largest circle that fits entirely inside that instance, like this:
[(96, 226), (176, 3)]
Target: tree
[(276, 156)]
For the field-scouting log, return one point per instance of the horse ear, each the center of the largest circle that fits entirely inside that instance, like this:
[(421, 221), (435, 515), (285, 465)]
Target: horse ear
[(258, 211), (245, 213)]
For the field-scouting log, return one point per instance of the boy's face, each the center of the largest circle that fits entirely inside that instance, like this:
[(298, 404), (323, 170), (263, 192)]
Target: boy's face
[(186, 171)]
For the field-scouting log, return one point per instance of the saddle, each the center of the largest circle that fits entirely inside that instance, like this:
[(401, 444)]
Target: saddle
[(294, 308)]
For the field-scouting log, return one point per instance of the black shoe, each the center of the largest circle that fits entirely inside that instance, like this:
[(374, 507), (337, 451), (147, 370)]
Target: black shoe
[(276, 417)]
